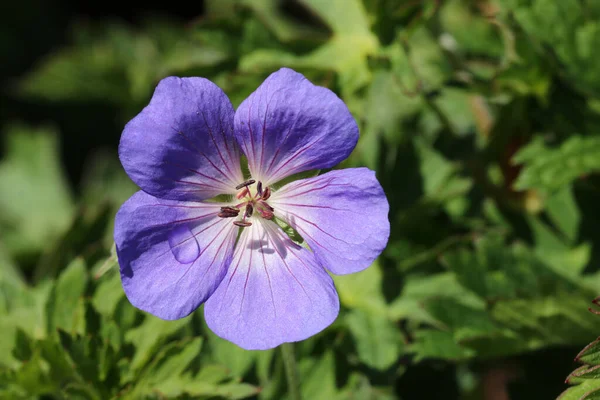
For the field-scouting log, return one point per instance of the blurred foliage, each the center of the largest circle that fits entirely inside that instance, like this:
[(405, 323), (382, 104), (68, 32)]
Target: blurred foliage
[(482, 120)]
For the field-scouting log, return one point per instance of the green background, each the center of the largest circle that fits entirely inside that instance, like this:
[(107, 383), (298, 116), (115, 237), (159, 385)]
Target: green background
[(481, 118)]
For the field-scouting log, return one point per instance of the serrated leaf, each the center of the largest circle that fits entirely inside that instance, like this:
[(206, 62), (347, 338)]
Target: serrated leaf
[(583, 373), (148, 337), (590, 353), (588, 390), (569, 31), (552, 168), (164, 373)]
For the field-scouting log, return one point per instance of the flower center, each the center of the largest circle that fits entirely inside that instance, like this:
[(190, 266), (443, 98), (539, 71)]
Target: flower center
[(253, 200)]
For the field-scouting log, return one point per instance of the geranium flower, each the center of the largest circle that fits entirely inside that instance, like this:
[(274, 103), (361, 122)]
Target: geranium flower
[(180, 244)]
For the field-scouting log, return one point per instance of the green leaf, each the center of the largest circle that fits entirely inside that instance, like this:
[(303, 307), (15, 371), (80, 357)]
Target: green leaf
[(588, 390), (378, 340), (441, 180), (168, 375), (583, 373), (318, 377), (238, 360), (345, 52), (590, 354), (285, 29), (35, 203), (464, 321), (148, 338), (563, 212), (65, 306), (566, 260), (109, 292), (569, 30), (438, 344), (164, 372), (362, 290), (552, 168), (359, 387), (419, 290)]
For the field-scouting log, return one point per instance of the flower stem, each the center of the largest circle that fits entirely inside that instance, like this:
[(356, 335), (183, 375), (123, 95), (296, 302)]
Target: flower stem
[(291, 371)]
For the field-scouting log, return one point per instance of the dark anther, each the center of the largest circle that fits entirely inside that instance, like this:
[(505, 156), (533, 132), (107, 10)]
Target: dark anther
[(228, 212), (244, 184), (249, 210), (268, 207), (242, 223), (266, 193), (259, 188)]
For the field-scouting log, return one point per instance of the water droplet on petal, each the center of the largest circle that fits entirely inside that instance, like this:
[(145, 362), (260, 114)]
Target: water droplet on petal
[(184, 245)]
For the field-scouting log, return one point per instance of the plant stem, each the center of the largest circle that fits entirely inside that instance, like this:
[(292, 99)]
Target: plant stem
[(291, 370)]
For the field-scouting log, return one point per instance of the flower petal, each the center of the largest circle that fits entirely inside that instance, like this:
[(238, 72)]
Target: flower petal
[(288, 125), (173, 255), (181, 146), (274, 292), (342, 215)]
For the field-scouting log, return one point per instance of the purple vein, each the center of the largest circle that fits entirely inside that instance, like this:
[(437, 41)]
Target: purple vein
[(251, 135), (201, 153), (318, 227), (246, 282), (215, 143), (299, 152), (225, 184), (269, 238), (292, 126), (239, 256)]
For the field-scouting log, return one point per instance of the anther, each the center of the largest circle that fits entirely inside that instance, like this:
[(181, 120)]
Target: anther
[(244, 184), (228, 212), (242, 223), (266, 193), (259, 190), (249, 210)]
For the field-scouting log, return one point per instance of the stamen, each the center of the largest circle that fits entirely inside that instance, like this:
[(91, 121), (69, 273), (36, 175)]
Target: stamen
[(242, 223), (266, 214), (267, 193), (249, 210), (265, 210), (244, 184), (243, 193), (228, 212), (259, 190)]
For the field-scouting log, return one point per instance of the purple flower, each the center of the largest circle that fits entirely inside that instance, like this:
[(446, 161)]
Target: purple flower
[(180, 246)]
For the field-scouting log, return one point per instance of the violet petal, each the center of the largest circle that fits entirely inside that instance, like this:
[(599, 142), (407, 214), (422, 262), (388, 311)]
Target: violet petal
[(342, 215), (181, 146), (274, 292), (153, 278), (288, 125)]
